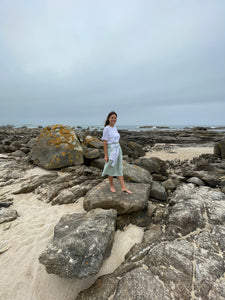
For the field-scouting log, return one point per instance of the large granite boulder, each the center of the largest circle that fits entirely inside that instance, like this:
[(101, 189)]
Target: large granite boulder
[(137, 174), (194, 208), (79, 245), (153, 165), (56, 147), (101, 197)]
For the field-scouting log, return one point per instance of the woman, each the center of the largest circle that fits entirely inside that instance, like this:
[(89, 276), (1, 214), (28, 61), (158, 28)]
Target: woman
[(113, 153)]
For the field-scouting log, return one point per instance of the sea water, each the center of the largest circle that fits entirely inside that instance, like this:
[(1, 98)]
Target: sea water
[(134, 127)]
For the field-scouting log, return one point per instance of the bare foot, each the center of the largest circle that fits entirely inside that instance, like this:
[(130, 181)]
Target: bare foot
[(126, 191), (112, 189)]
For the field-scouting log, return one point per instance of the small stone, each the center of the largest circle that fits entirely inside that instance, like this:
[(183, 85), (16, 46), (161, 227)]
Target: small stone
[(196, 181), (4, 246), (7, 215)]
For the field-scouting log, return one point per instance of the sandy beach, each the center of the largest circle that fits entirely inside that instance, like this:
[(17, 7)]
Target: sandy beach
[(23, 277), (182, 152)]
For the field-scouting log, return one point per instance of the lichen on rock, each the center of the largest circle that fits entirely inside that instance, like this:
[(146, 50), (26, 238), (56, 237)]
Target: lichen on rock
[(56, 147)]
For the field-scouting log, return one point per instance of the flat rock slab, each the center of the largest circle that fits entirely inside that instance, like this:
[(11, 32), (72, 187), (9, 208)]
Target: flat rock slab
[(101, 197)]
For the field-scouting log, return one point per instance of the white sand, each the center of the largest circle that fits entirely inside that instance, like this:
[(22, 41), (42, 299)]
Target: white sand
[(180, 152), (22, 276)]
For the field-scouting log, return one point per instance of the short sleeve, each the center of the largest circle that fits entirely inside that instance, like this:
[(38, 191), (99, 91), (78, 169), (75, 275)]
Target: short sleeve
[(105, 135)]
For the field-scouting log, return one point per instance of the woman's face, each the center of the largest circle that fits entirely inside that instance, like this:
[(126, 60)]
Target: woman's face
[(112, 120)]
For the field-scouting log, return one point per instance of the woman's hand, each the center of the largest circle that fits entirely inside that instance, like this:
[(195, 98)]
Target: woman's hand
[(106, 158)]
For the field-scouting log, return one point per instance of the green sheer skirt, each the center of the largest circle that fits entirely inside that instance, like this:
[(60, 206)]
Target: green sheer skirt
[(117, 169)]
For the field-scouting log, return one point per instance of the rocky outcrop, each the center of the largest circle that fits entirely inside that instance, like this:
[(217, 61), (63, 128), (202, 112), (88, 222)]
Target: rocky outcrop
[(137, 174), (79, 245), (183, 258), (153, 165), (181, 255), (13, 139), (158, 191), (185, 136), (206, 167), (101, 197), (132, 149), (57, 146)]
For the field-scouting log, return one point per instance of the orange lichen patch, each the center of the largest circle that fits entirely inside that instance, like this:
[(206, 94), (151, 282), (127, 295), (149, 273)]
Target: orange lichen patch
[(59, 134), (54, 157), (70, 157), (63, 153), (91, 140), (69, 147)]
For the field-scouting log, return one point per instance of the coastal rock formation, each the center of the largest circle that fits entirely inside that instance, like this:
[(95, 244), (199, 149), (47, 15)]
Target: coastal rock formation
[(180, 209), (181, 258), (154, 165), (23, 138), (137, 174), (57, 146), (132, 149), (79, 245), (101, 197), (185, 136), (208, 168), (158, 191)]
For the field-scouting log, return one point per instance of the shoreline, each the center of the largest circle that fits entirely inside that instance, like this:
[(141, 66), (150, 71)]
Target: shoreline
[(181, 152)]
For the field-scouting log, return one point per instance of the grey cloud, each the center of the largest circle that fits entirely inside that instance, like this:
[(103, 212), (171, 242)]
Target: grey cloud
[(78, 60)]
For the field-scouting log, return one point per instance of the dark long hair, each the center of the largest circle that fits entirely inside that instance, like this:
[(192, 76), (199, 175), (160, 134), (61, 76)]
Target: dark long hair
[(109, 115)]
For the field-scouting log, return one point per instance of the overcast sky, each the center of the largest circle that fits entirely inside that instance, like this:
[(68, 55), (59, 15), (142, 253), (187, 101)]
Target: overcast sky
[(158, 62)]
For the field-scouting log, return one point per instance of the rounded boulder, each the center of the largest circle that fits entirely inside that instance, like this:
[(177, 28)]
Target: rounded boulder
[(56, 147)]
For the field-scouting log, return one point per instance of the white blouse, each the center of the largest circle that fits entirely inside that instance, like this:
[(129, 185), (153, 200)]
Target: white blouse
[(111, 135)]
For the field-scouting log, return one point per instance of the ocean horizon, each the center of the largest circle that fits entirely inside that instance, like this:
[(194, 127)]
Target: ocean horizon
[(134, 127)]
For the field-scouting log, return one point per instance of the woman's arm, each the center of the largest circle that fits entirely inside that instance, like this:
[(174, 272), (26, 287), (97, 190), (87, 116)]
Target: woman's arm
[(105, 150)]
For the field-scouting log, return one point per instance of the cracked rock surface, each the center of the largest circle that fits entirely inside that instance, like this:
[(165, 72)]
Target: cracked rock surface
[(79, 245), (180, 259)]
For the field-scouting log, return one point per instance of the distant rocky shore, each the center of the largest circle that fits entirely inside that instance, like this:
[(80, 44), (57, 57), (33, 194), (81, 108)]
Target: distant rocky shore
[(180, 205), (12, 138)]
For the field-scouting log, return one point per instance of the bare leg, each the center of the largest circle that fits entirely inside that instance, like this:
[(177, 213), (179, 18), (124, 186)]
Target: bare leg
[(112, 189), (123, 187)]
